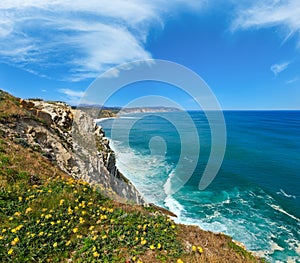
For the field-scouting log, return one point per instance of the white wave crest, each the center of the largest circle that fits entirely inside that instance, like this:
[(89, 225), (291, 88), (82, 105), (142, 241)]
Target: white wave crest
[(282, 192)]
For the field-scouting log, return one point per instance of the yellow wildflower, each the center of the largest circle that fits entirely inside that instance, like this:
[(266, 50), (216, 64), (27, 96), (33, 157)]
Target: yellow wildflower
[(143, 242), (3, 230), (194, 248), (61, 202), (200, 250), (179, 261), (68, 243), (19, 227), (152, 247), (75, 230), (15, 241), (20, 198), (11, 218), (102, 217), (91, 228), (104, 237), (55, 244), (158, 246), (96, 254), (133, 258), (48, 216), (1, 237), (28, 210), (41, 233), (10, 251), (70, 211), (17, 213), (52, 223)]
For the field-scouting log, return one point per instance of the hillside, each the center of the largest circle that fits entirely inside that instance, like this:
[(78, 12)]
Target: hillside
[(52, 212)]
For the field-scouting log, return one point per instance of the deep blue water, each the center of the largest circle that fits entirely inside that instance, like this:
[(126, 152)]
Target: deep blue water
[(255, 197)]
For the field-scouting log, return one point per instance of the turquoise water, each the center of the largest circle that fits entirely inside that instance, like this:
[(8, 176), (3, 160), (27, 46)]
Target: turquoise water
[(255, 197)]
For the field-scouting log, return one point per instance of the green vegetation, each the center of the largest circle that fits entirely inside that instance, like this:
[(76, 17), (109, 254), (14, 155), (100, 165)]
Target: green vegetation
[(60, 218), (240, 250)]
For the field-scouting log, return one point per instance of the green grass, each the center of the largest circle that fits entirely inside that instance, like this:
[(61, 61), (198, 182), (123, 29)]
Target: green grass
[(240, 250), (61, 219)]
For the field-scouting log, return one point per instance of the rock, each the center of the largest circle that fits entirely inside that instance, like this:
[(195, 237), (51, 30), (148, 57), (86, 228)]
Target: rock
[(73, 141), (44, 116), (26, 104)]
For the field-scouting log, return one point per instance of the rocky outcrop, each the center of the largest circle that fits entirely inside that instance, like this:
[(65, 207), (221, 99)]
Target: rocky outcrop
[(71, 139)]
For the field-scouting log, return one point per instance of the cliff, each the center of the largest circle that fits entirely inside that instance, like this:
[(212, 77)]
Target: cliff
[(70, 139)]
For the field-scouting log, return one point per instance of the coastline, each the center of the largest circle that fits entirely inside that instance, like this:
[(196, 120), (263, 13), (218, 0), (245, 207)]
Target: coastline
[(257, 239), (173, 211), (32, 129)]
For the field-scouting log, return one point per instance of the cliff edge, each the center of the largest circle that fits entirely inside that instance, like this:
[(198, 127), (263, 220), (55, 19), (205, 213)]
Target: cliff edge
[(70, 139)]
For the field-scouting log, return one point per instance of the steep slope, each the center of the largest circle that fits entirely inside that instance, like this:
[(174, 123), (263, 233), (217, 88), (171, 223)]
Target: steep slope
[(70, 139)]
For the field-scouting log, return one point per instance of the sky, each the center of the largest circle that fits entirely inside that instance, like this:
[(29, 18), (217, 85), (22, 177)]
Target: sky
[(248, 52)]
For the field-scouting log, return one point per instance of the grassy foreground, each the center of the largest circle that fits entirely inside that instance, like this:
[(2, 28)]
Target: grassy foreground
[(46, 216)]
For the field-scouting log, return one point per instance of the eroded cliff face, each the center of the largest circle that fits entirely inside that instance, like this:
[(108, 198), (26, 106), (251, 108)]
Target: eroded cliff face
[(70, 139)]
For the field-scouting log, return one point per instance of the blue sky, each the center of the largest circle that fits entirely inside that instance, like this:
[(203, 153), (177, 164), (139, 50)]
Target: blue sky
[(248, 52)]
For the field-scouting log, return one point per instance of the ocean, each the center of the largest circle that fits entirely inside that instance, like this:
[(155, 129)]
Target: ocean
[(255, 197)]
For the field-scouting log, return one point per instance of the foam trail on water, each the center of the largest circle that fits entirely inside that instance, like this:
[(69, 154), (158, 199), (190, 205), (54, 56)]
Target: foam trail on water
[(146, 172), (278, 208), (175, 207), (282, 192)]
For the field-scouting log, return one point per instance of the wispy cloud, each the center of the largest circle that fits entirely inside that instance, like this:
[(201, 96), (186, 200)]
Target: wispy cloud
[(82, 38), (292, 81), (268, 13), (278, 68), (71, 96)]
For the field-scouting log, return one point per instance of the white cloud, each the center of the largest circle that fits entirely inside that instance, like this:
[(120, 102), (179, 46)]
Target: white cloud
[(80, 38), (72, 97), (268, 13), (292, 81), (72, 93), (278, 68)]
